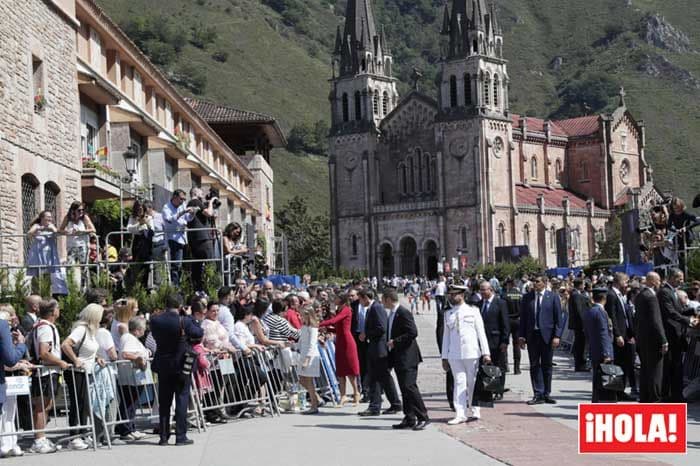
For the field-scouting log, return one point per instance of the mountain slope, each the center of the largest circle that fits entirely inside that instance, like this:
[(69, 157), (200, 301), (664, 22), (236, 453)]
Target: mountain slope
[(565, 56)]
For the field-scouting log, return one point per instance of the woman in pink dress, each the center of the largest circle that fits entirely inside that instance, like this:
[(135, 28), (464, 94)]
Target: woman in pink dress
[(346, 362)]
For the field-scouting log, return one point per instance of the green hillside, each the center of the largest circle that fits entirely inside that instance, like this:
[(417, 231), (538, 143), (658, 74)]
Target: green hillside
[(272, 56)]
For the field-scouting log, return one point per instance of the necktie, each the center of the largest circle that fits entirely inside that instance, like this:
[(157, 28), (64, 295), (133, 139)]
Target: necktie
[(391, 322), (484, 308), (538, 308)]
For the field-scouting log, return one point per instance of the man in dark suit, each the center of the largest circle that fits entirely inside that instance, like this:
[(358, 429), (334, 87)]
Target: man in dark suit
[(512, 295), (31, 313), (172, 333), (578, 305), (653, 344), (675, 326), (624, 343), (357, 328), (541, 327), (598, 330), (494, 312), (379, 377), (404, 357)]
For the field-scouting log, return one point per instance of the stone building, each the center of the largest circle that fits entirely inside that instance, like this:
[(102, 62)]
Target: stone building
[(102, 98), (416, 181)]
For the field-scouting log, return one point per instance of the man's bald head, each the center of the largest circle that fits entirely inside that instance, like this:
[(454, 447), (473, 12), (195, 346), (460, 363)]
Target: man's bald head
[(653, 280)]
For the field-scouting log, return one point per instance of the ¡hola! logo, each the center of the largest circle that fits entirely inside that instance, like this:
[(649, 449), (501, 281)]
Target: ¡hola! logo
[(632, 428)]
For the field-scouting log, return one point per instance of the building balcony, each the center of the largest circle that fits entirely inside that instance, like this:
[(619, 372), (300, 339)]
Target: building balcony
[(405, 207), (99, 181)]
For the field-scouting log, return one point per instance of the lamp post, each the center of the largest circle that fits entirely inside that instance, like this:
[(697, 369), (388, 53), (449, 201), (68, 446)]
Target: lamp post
[(131, 157)]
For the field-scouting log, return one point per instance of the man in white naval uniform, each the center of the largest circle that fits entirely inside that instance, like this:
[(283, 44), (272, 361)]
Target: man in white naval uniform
[(464, 343)]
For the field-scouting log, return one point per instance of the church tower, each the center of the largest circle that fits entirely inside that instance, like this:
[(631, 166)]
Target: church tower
[(363, 92)]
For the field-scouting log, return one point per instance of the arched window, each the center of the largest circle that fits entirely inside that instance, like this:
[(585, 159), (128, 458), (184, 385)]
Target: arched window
[(526, 235), (51, 192), (346, 108), (533, 168), (467, 89), (501, 235), (553, 238), (364, 64), (428, 180), (385, 104), (30, 207), (419, 163), (358, 106), (487, 91), (496, 84), (558, 170), (463, 237), (404, 178), (412, 174), (453, 91), (475, 46), (375, 103), (353, 245)]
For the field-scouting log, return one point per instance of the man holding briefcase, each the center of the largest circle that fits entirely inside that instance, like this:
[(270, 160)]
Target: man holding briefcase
[(598, 329)]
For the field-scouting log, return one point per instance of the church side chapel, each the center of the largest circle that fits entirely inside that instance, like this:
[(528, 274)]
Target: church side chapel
[(415, 181)]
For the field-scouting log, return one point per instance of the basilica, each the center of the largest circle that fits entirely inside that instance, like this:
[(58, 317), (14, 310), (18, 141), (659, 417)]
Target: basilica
[(417, 183)]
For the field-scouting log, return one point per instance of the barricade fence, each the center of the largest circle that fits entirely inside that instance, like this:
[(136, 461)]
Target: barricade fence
[(119, 399)]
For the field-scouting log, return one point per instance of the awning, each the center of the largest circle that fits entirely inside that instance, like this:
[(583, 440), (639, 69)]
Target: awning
[(138, 123), (96, 87)]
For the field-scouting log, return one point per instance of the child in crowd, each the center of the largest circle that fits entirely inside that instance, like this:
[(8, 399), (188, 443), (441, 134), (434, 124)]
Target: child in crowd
[(309, 357)]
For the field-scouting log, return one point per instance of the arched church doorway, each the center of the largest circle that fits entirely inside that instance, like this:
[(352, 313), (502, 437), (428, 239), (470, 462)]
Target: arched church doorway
[(409, 257), (387, 255), (431, 259)]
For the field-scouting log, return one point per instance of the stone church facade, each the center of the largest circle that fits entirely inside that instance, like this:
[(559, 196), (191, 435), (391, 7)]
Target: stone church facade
[(415, 181)]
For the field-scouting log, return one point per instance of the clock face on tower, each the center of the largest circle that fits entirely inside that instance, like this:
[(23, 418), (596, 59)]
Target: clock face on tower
[(458, 147), (498, 147), (351, 161)]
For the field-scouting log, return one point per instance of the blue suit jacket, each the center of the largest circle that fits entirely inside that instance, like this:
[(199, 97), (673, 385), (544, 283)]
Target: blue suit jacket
[(170, 349), (551, 322), (598, 333), (375, 328), (9, 355)]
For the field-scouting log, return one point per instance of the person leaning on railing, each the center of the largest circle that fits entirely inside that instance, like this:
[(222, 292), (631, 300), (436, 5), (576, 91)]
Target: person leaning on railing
[(12, 350), (78, 226), (132, 350), (141, 227), (42, 257), (80, 347), (45, 349), (104, 404)]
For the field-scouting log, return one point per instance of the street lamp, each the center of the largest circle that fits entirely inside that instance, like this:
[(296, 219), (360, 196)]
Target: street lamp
[(131, 157)]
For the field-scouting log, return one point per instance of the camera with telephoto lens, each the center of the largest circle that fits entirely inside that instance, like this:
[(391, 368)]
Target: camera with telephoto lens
[(214, 194)]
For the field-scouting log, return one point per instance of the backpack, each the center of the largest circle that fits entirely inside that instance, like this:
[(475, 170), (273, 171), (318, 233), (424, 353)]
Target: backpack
[(30, 342)]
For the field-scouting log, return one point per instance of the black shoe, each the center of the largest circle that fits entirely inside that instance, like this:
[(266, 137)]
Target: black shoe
[(554, 364), (497, 396), (163, 442), (392, 410), (517, 372), (625, 397), (368, 413), (536, 401), (364, 399), (187, 441), (549, 400), (405, 424), (421, 425)]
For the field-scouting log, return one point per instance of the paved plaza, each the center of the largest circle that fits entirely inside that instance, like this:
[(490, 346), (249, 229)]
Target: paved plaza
[(511, 433)]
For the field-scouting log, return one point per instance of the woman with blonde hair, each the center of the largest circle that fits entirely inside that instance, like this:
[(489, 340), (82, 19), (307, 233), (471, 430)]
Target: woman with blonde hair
[(80, 347), (8, 443), (124, 310), (309, 356)]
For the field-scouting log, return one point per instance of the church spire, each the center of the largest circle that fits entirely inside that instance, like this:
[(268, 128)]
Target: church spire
[(361, 34)]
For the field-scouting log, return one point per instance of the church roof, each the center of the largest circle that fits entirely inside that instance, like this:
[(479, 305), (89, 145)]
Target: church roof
[(553, 198), (581, 126), (537, 124)]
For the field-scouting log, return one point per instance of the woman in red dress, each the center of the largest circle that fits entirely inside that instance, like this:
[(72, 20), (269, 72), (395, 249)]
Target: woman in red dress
[(346, 362)]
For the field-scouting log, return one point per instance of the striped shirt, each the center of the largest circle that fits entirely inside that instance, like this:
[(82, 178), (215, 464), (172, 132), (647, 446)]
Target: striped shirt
[(280, 329)]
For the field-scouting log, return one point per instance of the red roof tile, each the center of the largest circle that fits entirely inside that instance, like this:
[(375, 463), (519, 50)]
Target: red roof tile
[(216, 113), (537, 124), (581, 126), (527, 196)]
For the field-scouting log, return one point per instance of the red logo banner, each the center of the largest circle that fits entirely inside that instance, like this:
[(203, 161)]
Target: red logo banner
[(632, 428)]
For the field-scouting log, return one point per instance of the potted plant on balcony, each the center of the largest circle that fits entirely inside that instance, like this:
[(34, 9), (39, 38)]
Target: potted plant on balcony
[(39, 101), (182, 139)]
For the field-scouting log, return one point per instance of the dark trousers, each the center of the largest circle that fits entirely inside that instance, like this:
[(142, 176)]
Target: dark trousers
[(624, 357), (362, 357), (672, 382), (128, 401), (78, 406), (541, 354), (498, 359), (449, 378), (650, 375), (514, 332), (202, 251), (171, 386), (176, 252), (579, 349), (599, 394), (440, 303), (380, 380), (413, 406)]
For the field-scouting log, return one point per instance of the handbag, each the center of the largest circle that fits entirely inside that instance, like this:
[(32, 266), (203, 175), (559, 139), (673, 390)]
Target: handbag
[(490, 379), (190, 356), (612, 377)]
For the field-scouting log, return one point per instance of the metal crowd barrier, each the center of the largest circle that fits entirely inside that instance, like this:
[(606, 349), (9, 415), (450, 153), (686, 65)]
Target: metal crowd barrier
[(327, 385)]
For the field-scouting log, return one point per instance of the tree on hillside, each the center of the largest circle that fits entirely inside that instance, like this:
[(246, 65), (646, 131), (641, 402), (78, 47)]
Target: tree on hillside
[(586, 96), (305, 137), (308, 237)]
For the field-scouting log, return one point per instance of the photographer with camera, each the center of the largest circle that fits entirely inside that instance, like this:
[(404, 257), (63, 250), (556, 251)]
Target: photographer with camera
[(201, 240)]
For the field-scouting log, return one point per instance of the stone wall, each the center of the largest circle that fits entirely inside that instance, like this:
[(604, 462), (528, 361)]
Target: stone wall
[(45, 144)]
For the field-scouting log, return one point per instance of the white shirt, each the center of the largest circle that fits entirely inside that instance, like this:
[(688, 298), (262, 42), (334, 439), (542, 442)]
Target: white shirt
[(131, 344), (174, 226), (440, 289), (74, 240), (46, 332), (105, 341), (88, 349), (226, 319), (117, 335), (464, 336), (243, 333)]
